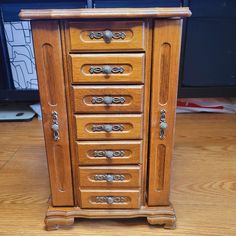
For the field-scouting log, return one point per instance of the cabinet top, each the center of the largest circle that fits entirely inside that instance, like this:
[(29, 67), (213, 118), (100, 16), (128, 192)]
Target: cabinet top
[(87, 13)]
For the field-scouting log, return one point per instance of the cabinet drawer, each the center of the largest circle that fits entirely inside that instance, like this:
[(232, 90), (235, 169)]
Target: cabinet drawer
[(109, 152), (109, 176), (109, 127), (107, 68), (106, 35), (108, 99), (109, 198)]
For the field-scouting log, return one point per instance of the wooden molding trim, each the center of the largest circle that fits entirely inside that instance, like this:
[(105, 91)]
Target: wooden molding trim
[(170, 12), (64, 216)]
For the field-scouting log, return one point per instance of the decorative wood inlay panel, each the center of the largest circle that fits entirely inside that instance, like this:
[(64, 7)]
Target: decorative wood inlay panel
[(161, 153), (48, 61), (48, 53), (165, 57), (59, 172)]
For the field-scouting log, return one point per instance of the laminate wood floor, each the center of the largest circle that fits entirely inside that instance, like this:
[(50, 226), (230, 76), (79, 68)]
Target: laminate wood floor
[(203, 182)]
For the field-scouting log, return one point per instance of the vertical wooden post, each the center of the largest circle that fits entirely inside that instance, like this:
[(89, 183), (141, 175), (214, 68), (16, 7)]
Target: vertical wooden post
[(166, 51), (48, 53)]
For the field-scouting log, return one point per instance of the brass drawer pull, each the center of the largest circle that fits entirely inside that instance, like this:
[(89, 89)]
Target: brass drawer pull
[(106, 69), (109, 154), (107, 35), (107, 128), (55, 126), (108, 100), (110, 199), (109, 177), (163, 124)]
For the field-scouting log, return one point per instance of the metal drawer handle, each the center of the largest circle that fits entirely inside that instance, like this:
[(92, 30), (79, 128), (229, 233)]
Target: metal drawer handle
[(107, 70), (107, 128), (55, 126), (163, 124), (111, 199), (108, 100), (109, 154), (109, 177), (107, 35)]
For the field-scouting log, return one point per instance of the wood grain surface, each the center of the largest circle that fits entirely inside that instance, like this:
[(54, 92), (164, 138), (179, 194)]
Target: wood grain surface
[(50, 74), (126, 99), (130, 173), (132, 65), (80, 40), (203, 187), (127, 152), (154, 12), (131, 127), (166, 51)]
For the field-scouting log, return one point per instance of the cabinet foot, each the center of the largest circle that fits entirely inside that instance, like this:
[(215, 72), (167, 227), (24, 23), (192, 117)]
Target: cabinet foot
[(54, 223), (169, 222)]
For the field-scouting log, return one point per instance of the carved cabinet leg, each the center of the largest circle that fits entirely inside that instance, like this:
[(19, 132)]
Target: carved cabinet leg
[(169, 222), (54, 223)]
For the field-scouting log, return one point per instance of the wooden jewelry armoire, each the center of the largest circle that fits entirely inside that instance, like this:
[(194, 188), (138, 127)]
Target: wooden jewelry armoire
[(108, 83)]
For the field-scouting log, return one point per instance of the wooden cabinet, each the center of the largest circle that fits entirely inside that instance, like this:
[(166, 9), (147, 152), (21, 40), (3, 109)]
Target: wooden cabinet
[(108, 87)]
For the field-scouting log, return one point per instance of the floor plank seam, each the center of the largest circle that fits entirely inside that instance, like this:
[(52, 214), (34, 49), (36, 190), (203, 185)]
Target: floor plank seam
[(11, 158)]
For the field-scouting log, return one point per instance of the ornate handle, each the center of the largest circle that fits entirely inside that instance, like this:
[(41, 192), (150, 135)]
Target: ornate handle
[(107, 35), (107, 128), (111, 199), (109, 177), (106, 69), (108, 100), (163, 124), (109, 154), (55, 126)]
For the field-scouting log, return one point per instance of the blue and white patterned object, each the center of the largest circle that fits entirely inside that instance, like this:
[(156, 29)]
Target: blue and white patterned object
[(21, 53)]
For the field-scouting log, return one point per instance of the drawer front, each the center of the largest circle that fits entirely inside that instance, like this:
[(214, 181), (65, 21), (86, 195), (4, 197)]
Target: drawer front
[(109, 153), (109, 198), (99, 127), (125, 176), (106, 35), (108, 99), (107, 68)]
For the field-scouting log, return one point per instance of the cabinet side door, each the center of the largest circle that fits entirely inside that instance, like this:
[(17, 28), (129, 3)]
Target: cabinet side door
[(166, 51), (48, 53)]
